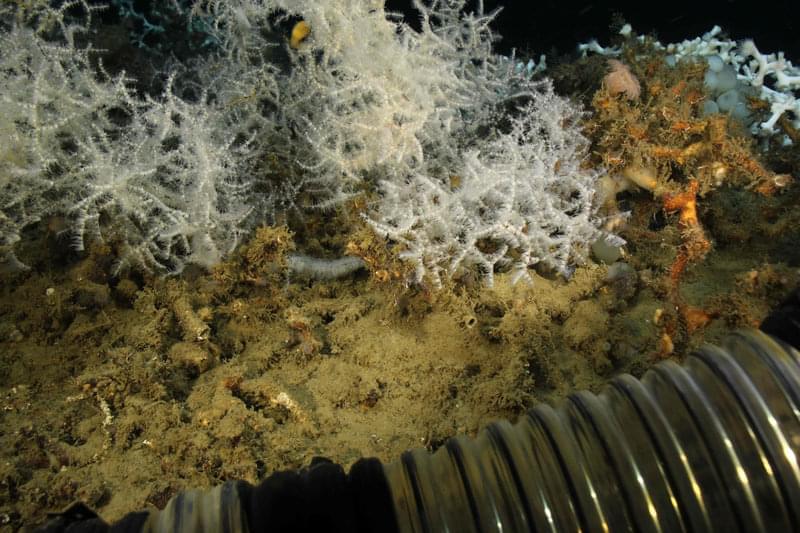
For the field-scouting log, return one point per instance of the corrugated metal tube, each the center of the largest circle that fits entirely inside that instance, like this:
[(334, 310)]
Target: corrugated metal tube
[(710, 445)]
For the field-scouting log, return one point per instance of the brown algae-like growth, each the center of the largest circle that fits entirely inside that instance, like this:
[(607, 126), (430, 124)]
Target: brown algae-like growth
[(121, 391)]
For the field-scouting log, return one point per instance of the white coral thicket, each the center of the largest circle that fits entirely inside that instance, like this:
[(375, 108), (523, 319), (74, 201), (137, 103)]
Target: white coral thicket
[(472, 164)]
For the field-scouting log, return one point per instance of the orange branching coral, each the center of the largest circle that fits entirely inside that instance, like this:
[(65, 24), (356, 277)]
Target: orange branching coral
[(693, 248), (717, 157), (668, 132), (664, 143), (695, 245), (686, 203)]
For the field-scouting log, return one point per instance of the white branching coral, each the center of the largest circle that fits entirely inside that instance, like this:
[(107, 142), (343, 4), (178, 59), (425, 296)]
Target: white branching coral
[(473, 165), (517, 201), (168, 181), (477, 166), (160, 173)]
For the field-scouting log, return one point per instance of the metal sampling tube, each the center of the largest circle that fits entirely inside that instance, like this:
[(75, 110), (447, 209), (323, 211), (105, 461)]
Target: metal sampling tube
[(709, 445)]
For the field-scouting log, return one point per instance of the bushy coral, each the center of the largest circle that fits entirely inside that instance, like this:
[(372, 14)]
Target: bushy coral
[(470, 163), (156, 174), (520, 199), (476, 165)]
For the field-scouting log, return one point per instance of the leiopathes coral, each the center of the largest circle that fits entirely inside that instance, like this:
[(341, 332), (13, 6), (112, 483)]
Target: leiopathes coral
[(468, 162)]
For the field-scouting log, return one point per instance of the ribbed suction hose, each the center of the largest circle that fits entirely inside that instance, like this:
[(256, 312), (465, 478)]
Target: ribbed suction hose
[(709, 445)]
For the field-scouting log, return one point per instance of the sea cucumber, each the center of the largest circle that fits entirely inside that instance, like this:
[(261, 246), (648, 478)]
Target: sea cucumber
[(323, 269)]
